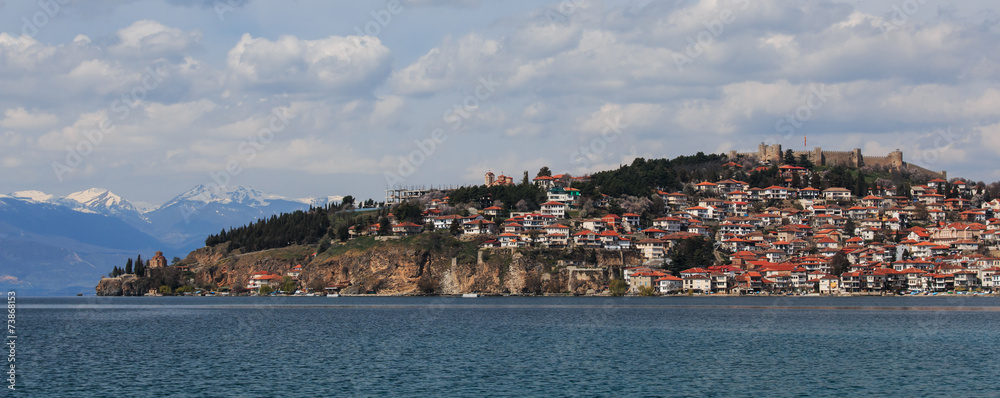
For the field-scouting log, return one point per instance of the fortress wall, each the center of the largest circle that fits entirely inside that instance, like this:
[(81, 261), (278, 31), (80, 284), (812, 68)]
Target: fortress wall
[(834, 158), (882, 161)]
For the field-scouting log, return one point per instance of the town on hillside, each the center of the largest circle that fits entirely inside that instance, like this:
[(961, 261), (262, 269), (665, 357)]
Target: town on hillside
[(790, 237), (704, 224)]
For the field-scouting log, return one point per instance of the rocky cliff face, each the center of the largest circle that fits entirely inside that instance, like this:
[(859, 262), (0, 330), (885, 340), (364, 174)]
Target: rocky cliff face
[(122, 286), (405, 268)]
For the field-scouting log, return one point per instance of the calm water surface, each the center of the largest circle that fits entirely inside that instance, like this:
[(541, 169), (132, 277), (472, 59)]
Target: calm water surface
[(573, 347)]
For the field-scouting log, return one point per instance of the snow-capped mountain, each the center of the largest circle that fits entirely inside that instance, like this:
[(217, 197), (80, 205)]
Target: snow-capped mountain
[(96, 225), (94, 200), (35, 196), (224, 195), (187, 219), (100, 201)]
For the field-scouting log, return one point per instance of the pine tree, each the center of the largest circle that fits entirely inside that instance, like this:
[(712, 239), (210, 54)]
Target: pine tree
[(128, 266), (455, 228), (140, 269)]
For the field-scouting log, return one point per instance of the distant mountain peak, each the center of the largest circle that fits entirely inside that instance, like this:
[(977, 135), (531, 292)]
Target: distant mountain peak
[(218, 194), (95, 197), (35, 196)]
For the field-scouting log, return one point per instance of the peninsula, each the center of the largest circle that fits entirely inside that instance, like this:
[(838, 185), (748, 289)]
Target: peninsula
[(737, 223)]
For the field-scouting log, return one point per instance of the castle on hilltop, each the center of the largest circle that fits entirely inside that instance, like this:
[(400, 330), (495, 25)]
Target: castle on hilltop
[(852, 158)]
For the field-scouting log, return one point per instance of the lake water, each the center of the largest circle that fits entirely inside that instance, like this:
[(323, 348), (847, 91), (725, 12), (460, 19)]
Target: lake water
[(551, 347)]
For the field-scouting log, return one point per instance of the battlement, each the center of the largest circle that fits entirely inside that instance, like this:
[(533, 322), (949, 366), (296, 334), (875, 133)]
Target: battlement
[(852, 158)]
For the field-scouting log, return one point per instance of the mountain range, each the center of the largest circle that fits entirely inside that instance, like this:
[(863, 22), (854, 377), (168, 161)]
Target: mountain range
[(56, 245)]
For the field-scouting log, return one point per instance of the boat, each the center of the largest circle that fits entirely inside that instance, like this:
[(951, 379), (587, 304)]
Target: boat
[(333, 295), (470, 295)]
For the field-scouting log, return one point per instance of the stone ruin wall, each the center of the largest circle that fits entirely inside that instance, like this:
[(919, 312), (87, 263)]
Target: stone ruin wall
[(852, 158)]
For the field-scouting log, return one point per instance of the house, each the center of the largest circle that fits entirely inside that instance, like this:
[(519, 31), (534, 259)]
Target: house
[(545, 182), (697, 283), (707, 187), (479, 227), (837, 194), (510, 240), (492, 211), (554, 208), (596, 224), (587, 239), (669, 224), (642, 279), (630, 221), (669, 284), (652, 249), (263, 278), (406, 229), (445, 222), (775, 193)]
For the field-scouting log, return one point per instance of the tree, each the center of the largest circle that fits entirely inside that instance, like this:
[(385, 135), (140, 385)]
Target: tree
[(615, 207), (288, 285), (140, 269), (790, 158), (805, 162), (408, 212), (525, 181), (164, 289), (849, 226), (317, 285), (816, 181), (544, 172), (265, 290), (175, 260), (455, 229), (128, 266), (839, 263), (347, 202), (691, 252), (647, 291), (343, 232), (427, 285), (618, 287), (383, 226), (658, 206)]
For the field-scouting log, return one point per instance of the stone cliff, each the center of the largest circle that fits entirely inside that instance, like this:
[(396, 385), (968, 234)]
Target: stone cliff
[(425, 264)]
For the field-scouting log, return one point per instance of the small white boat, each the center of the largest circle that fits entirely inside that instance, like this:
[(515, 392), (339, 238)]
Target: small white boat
[(470, 295), (333, 295)]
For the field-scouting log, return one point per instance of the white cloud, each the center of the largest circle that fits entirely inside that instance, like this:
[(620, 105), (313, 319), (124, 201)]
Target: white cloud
[(151, 38), (21, 119), (292, 64)]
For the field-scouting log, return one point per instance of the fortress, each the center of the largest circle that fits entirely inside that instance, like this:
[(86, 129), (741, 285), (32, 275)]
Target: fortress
[(853, 158)]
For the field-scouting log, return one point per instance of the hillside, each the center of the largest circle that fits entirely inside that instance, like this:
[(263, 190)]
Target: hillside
[(424, 264), (753, 226)]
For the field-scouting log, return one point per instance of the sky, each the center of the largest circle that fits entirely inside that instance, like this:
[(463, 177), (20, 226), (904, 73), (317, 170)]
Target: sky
[(314, 98)]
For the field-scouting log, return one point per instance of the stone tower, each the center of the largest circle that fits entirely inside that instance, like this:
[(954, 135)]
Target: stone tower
[(856, 159), (489, 178), (817, 156), (896, 159)]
